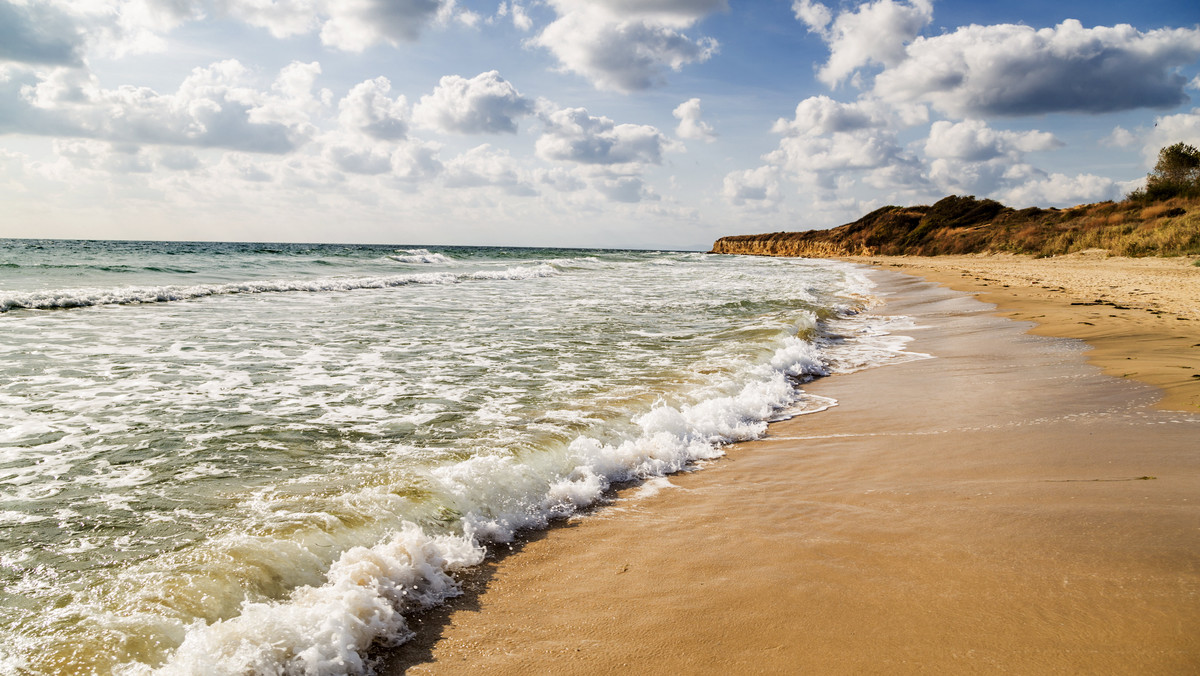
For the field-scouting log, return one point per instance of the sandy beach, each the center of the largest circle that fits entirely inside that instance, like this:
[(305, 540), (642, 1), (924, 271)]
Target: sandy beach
[(1140, 316), (1003, 506)]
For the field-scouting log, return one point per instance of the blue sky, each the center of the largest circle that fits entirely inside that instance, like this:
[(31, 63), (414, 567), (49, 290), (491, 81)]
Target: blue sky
[(615, 123)]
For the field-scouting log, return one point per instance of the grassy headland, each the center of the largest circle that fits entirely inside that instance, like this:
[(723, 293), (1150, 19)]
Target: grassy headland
[(959, 225)]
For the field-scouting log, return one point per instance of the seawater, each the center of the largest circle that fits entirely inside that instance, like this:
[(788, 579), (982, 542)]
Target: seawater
[(259, 458)]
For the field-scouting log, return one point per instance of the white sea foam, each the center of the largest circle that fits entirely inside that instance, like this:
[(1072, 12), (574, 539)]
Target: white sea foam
[(421, 257), (327, 629), (87, 297), (290, 451), (523, 272)]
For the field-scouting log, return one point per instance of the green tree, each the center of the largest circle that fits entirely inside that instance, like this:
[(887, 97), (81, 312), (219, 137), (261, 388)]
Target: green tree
[(1177, 173)]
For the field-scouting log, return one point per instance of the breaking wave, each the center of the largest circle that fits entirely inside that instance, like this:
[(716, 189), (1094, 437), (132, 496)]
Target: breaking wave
[(55, 299), (421, 257)]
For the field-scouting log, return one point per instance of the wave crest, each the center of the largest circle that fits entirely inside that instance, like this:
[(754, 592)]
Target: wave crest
[(57, 299), (421, 257)]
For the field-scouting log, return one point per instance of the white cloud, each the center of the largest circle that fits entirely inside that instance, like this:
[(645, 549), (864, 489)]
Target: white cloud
[(39, 33), (485, 104), (572, 135), (628, 189), (215, 106), (1120, 137), (760, 186), (819, 115), (1016, 70), (874, 34), (827, 137), (369, 109), (974, 140), (864, 149), (979, 178), (360, 159), (281, 18), (177, 159), (354, 25), (484, 166), (1169, 129), (690, 125), (520, 19), (814, 15), (562, 180), (245, 167), (108, 157), (1063, 190), (415, 162), (626, 45)]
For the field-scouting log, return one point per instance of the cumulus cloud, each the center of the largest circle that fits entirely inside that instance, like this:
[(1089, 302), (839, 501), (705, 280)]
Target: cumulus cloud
[(359, 159), (626, 45), (560, 179), (1017, 70), (757, 186), (690, 125), (1168, 129), (628, 189), (369, 109), (1063, 190), (972, 157), (354, 25), (177, 159), (974, 141), (826, 137), (520, 19), (108, 157), (814, 15), (1120, 137), (415, 162), (350, 25), (484, 166), (573, 135), (987, 177), (485, 104), (874, 34), (819, 115), (39, 33), (215, 106)]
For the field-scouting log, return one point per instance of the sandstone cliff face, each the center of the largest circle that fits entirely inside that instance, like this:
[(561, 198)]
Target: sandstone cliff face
[(953, 223), (778, 244), (958, 225)]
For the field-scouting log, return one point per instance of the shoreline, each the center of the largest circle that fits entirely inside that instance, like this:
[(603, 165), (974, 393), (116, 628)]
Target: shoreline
[(1139, 316), (1011, 516)]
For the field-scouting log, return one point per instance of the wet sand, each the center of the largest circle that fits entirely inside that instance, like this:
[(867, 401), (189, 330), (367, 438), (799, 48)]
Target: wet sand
[(1141, 316), (1002, 507)]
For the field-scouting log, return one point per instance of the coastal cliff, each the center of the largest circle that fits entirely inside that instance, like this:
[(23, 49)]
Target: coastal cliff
[(965, 225)]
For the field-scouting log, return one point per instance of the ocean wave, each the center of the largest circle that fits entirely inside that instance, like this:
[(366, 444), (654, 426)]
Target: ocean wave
[(102, 268), (57, 299), (421, 257), (522, 272), (329, 629)]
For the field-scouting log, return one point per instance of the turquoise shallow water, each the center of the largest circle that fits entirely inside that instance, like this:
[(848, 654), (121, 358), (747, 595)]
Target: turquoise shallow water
[(256, 458)]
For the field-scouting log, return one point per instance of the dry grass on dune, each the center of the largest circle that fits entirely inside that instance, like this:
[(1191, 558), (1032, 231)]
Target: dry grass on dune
[(960, 225)]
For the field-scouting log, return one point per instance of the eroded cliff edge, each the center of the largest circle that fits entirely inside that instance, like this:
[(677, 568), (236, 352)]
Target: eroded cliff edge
[(965, 225)]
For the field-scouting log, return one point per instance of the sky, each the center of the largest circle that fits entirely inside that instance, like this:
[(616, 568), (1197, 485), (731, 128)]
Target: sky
[(589, 123)]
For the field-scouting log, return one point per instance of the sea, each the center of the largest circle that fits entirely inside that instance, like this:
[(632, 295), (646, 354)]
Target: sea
[(247, 458)]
